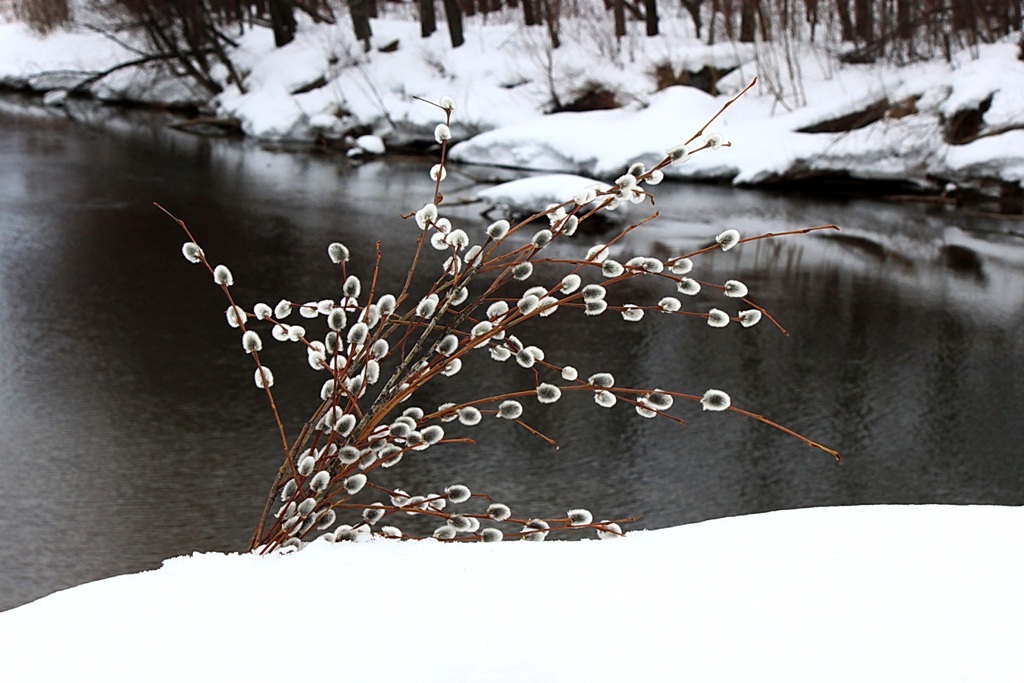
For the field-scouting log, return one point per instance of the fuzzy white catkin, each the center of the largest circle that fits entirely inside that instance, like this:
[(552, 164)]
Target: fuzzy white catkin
[(251, 342), (510, 410), (593, 293), (585, 196), (681, 266), (735, 289), (750, 317), (469, 416), (715, 140), (569, 373), (447, 103), (579, 517), (264, 377), (598, 253), (491, 535), (603, 380), (670, 304), (548, 393), (728, 239), (612, 268), (715, 400), (448, 344), (386, 304), (631, 313), (283, 309), (522, 271), (309, 310), (426, 216), (280, 333), (442, 133), (296, 333), (541, 238), (337, 319), (338, 252), (498, 229), (718, 318), (605, 399), (192, 252), (609, 531), (570, 283), (236, 316), (438, 172), (354, 484), (222, 276), (458, 493), (528, 304), (262, 312), (433, 434), (596, 307), (678, 154), (688, 286), (319, 481), (499, 512), (427, 306)]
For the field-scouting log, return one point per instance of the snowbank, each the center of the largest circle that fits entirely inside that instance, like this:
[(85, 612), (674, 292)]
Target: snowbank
[(505, 77), (833, 594)]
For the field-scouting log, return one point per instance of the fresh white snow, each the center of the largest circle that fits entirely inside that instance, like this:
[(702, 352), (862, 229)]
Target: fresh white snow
[(884, 593)]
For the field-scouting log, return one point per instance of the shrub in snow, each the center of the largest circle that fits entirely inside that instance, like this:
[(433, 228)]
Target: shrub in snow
[(378, 349)]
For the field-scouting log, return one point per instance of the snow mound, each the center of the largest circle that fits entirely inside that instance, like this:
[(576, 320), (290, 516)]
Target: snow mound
[(536, 192), (830, 594)]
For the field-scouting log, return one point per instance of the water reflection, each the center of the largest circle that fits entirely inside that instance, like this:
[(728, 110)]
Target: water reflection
[(132, 432)]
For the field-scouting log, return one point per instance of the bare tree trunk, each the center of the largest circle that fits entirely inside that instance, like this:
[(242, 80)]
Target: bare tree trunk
[(865, 16), (651, 15), (360, 22), (693, 7), (748, 20), (552, 9), (428, 18), (453, 13), (811, 15), (619, 8), (845, 22), (904, 29), (282, 21), (531, 13)]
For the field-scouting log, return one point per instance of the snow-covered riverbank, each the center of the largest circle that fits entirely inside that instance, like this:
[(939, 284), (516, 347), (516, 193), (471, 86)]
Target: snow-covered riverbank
[(903, 126), (930, 593)]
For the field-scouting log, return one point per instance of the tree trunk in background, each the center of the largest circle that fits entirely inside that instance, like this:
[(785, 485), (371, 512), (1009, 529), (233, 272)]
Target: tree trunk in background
[(904, 29), (619, 8), (469, 7), (845, 22), (865, 18), (693, 7), (360, 22), (651, 15), (428, 18), (531, 13), (282, 21), (371, 8), (453, 13), (552, 9), (748, 20)]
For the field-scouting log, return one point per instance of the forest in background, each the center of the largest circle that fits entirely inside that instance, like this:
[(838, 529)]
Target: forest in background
[(198, 33)]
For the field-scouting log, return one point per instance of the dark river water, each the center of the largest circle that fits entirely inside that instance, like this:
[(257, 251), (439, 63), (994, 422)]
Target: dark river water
[(130, 430)]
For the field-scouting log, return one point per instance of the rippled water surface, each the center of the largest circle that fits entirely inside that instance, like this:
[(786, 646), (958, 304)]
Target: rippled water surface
[(131, 431)]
